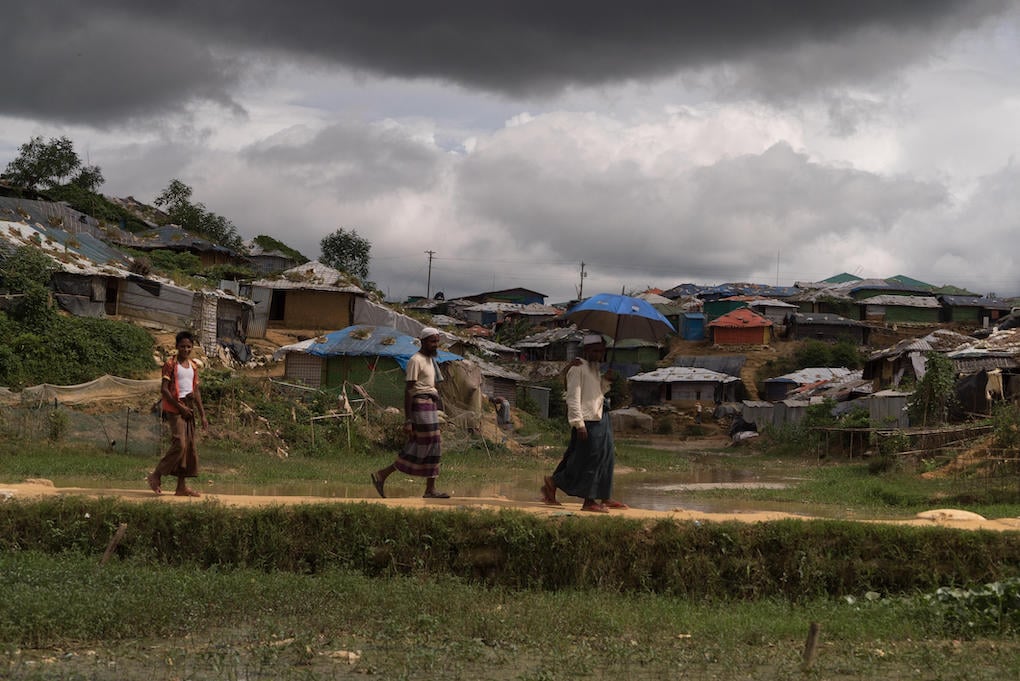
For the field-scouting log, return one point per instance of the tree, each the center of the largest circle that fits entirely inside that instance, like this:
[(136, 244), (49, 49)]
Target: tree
[(195, 218), (42, 163), (935, 392), (347, 252), (89, 178)]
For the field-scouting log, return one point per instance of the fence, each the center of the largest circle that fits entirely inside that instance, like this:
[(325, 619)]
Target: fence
[(128, 429)]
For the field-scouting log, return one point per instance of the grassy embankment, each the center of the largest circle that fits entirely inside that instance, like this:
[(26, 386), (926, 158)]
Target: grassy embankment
[(205, 591)]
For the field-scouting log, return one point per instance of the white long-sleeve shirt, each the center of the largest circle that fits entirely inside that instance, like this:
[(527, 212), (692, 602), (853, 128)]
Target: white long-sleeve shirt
[(585, 389)]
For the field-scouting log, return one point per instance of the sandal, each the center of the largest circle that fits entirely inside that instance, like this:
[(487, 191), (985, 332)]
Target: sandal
[(154, 483), (612, 503), (435, 495), (594, 507), (187, 492), (378, 484)]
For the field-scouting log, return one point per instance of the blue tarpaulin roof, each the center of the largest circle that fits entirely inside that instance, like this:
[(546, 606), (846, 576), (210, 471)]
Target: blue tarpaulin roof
[(362, 340)]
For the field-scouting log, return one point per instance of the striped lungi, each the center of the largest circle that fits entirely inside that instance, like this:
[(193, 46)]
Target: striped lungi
[(420, 456)]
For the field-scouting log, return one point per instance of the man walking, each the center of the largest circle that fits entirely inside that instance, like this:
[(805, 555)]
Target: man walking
[(586, 469), (422, 404)]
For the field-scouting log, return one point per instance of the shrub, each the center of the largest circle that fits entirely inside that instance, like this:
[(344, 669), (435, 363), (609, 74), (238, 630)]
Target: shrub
[(989, 609), (56, 424), (525, 403), (1006, 425)]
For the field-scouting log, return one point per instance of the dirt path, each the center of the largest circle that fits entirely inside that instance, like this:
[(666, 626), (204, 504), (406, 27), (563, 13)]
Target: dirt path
[(36, 489)]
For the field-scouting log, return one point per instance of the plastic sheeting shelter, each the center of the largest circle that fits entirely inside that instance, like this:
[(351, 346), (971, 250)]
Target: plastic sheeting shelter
[(373, 357)]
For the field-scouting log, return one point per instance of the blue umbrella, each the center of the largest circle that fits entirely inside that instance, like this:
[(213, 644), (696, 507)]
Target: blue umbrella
[(620, 317)]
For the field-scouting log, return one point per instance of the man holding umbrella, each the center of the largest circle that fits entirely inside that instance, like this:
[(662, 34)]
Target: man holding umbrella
[(586, 469)]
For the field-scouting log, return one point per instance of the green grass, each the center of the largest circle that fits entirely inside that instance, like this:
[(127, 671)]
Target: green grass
[(853, 491), (140, 617), (831, 489), (137, 621)]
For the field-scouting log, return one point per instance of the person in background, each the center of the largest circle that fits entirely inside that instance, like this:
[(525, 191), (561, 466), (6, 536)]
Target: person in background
[(181, 402), (422, 404), (502, 406), (586, 469), (697, 411)]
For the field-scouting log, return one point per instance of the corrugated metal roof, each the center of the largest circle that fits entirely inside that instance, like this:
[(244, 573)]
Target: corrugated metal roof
[(824, 318), (529, 310), (496, 371), (768, 302), (902, 301), (490, 346), (313, 276), (550, 336), (446, 320), (69, 254), (1003, 341), (939, 340), (677, 374), (172, 237), (976, 301), (741, 317), (814, 375)]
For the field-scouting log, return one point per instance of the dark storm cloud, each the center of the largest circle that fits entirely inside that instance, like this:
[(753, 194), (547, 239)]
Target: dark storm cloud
[(112, 58), (71, 65)]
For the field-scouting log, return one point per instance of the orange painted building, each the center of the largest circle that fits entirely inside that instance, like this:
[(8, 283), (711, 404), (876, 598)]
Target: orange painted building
[(741, 327)]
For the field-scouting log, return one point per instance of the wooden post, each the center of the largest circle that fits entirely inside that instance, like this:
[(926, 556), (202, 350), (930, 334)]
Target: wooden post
[(114, 541), (811, 646)]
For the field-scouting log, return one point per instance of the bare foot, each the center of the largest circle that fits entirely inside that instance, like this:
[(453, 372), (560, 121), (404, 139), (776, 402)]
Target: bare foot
[(187, 492)]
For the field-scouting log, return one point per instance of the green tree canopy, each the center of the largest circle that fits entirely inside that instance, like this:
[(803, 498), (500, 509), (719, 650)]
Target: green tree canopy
[(196, 218), (42, 163), (89, 178), (347, 252)]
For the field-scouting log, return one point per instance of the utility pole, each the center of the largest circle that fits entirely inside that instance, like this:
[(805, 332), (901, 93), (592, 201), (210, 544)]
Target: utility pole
[(580, 289), (428, 285)]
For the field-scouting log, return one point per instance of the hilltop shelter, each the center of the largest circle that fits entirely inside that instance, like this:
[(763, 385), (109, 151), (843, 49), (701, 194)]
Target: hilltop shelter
[(309, 296), (373, 357), (93, 279), (178, 240)]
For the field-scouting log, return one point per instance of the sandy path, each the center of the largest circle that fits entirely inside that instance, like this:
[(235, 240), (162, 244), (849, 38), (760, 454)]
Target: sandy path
[(34, 489)]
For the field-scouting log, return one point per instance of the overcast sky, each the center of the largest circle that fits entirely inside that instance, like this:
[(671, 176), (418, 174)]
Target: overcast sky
[(686, 142)]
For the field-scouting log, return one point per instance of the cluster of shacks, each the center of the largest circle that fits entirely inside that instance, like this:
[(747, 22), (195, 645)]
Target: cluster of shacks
[(363, 344)]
